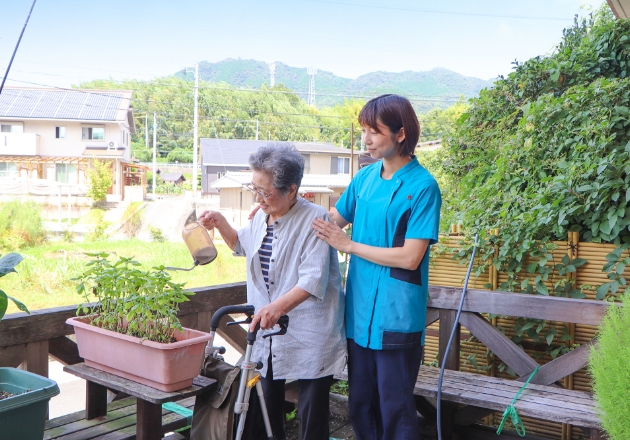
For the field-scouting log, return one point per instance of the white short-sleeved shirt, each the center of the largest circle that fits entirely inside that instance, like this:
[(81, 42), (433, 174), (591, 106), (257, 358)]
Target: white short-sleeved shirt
[(315, 344)]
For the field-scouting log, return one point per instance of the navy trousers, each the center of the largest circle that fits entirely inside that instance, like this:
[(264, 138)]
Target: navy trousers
[(313, 405), (381, 383)]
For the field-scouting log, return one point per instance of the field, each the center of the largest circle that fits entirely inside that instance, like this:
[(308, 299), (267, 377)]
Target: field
[(44, 277)]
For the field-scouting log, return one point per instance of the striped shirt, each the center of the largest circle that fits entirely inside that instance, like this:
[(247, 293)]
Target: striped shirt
[(265, 254), (315, 344)]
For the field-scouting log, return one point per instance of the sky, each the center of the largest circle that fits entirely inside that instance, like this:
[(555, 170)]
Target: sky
[(69, 41)]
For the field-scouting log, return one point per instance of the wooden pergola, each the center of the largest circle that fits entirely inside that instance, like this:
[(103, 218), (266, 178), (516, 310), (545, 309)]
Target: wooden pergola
[(37, 163), (134, 174)]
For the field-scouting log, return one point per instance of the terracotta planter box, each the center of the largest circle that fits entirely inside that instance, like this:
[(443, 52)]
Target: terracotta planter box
[(167, 367)]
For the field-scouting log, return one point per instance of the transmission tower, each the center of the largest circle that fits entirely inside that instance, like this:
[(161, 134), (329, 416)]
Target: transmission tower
[(272, 74), (312, 71)]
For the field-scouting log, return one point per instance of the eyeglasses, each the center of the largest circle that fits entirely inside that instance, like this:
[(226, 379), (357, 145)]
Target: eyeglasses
[(253, 189)]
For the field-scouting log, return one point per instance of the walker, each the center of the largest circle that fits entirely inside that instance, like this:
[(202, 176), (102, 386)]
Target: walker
[(249, 377)]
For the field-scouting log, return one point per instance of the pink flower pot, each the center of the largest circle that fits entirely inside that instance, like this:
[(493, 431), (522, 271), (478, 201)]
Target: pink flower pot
[(167, 367)]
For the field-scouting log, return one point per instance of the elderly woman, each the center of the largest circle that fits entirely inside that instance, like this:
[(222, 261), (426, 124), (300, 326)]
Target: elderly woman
[(290, 272)]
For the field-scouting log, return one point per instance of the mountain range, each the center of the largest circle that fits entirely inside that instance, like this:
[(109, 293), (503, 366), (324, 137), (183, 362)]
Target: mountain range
[(434, 88)]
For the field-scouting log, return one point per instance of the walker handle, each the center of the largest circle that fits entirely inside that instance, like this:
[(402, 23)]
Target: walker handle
[(283, 322), (246, 309)]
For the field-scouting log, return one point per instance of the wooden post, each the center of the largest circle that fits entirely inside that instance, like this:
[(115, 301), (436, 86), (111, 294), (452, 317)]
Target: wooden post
[(149, 420), (95, 400), (36, 358)]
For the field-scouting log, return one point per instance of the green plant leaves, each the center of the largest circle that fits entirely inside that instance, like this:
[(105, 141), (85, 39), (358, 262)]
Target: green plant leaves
[(8, 263), (4, 303), (132, 301)]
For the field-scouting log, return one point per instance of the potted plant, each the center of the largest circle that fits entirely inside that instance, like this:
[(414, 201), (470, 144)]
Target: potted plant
[(24, 396), (135, 332)]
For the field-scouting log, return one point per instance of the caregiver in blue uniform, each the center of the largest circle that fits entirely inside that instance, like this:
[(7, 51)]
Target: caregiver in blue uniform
[(394, 207)]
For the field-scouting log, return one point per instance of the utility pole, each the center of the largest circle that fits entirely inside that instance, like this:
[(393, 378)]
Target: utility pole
[(146, 130), (154, 152), (352, 150), (272, 75), (256, 128), (195, 129), (312, 71)]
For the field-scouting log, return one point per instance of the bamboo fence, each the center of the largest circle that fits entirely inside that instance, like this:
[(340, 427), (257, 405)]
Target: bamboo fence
[(474, 357)]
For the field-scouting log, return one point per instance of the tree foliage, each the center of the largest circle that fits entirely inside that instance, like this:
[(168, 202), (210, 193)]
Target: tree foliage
[(608, 366), (547, 150), (228, 113), (100, 179)]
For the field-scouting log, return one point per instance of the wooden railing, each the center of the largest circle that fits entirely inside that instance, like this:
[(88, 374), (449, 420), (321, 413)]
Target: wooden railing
[(28, 340)]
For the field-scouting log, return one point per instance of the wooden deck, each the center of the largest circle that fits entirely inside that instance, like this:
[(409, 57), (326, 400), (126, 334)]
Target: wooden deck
[(118, 424)]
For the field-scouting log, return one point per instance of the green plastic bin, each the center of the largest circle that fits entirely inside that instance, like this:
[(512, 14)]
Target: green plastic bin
[(22, 417)]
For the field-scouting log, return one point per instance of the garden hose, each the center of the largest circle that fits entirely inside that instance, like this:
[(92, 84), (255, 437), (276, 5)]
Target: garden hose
[(450, 341)]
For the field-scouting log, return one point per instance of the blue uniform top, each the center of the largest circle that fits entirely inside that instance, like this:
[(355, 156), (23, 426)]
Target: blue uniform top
[(386, 307)]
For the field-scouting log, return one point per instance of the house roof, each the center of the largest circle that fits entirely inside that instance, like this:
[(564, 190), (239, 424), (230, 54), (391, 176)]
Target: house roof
[(82, 105), (172, 177), (236, 152), (621, 8), (310, 181)]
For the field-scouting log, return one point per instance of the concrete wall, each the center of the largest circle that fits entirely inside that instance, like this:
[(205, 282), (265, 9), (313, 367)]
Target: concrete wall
[(26, 143)]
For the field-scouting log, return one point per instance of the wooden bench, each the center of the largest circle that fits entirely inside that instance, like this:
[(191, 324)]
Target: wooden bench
[(468, 397), (142, 418)]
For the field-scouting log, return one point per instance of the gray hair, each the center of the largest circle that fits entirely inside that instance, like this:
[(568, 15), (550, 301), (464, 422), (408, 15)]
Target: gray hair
[(280, 160)]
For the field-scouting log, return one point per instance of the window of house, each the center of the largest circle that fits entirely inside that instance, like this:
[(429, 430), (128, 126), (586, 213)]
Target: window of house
[(11, 128), (220, 174), (339, 165), (60, 132), (307, 162), (93, 133), (8, 169), (66, 173)]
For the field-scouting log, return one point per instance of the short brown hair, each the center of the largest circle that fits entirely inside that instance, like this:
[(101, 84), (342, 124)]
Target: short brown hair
[(395, 112)]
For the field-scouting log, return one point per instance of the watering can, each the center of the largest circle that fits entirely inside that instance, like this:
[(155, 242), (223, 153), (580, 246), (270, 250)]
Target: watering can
[(198, 241)]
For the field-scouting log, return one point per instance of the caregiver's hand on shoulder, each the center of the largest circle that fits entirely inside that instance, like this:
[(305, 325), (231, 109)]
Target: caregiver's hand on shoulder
[(253, 212), (332, 234), (267, 317)]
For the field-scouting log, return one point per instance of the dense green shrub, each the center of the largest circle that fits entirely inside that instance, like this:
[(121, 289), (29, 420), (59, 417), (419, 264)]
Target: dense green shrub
[(100, 178), (157, 235), (99, 232), (180, 155), (609, 369), (545, 151), (20, 225)]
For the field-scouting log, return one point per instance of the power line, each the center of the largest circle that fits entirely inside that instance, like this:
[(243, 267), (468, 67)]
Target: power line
[(411, 98), (16, 47), (434, 11)]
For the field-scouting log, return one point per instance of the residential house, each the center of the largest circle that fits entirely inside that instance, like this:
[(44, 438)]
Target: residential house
[(50, 136), (218, 156), (174, 178)]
